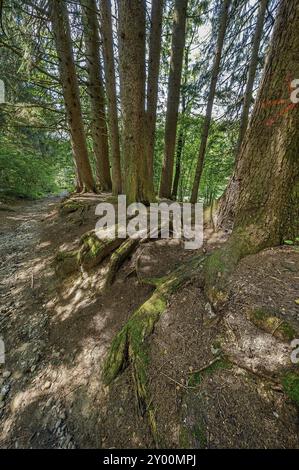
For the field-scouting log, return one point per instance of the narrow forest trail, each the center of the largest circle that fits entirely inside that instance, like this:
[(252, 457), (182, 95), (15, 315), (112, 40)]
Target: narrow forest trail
[(213, 378)]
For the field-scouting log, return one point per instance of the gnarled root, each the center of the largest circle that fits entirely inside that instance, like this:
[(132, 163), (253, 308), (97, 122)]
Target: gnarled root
[(129, 347), (118, 258)]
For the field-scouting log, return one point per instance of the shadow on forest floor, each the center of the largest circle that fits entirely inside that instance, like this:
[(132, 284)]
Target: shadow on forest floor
[(212, 377)]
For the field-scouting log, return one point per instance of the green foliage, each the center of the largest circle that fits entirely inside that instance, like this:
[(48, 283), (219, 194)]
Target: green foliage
[(26, 171)]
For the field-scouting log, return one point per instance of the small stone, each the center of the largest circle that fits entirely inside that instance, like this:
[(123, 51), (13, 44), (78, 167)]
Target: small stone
[(4, 390), (276, 414), (33, 368), (47, 384), (6, 374)]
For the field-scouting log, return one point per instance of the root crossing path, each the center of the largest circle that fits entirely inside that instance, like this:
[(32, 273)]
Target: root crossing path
[(213, 379)]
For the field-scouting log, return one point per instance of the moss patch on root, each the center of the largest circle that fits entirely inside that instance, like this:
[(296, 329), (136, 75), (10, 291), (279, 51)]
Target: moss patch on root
[(70, 206), (66, 262), (93, 249), (272, 324), (129, 345), (196, 378), (221, 264), (290, 382)]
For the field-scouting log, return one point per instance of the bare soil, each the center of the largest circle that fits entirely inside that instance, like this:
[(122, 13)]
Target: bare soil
[(213, 378)]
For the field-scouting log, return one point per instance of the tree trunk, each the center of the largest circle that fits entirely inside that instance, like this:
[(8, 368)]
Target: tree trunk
[(96, 94), (181, 137), (208, 116), (107, 37), (180, 146), (69, 82), (173, 99), (153, 76), (267, 174), (225, 213), (132, 80), (252, 72)]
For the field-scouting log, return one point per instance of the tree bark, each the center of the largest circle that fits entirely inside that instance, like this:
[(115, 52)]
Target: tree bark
[(211, 97), (252, 72), (107, 38), (96, 94), (179, 151), (267, 174), (153, 76), (132, 80), (225, 213), (173, 99), (69, 82)]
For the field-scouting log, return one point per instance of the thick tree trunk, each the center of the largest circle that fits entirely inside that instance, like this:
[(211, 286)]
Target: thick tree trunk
[(225, 213), (68, 77), (267, 174), (211, 97), (153, 75), (132, 79), (96, 94), (107, 38), (173, 99), (252, 72)]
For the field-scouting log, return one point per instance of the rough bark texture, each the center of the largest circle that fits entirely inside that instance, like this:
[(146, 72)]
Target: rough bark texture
[(211, 97), (107, 38), (180, 146), (153, 75), (225, 218), (96, 94), (132, 78), (173, 99), (252, 72), (69, 82), (267, 174), (181, 137)]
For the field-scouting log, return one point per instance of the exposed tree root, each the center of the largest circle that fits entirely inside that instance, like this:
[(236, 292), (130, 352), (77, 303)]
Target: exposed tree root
[(118, 258), (129, 347), (221, 264)]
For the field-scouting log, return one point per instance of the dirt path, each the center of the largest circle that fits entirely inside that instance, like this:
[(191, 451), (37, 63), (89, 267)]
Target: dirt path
[(57, 334)]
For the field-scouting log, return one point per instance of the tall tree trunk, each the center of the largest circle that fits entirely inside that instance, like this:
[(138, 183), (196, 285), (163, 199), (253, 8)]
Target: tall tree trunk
[(153, 75), (68, 77), (225, 212), (211, 97), (267, 174), (173, 99), (132, 79), (252, 72), (179, 151), (107, 38), (96, 94), (181, 137)]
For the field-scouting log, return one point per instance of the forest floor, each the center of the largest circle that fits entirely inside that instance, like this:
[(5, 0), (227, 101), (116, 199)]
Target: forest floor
[(216, 379)]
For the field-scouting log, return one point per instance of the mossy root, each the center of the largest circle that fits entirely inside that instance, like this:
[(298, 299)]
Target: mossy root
[(118, 258), (129, 346)]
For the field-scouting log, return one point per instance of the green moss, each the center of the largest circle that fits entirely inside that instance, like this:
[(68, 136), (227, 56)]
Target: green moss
[(184, 441), (290, 383), (70, 206), (200, 435), (196, 378), (272, 324), (66, 262)]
